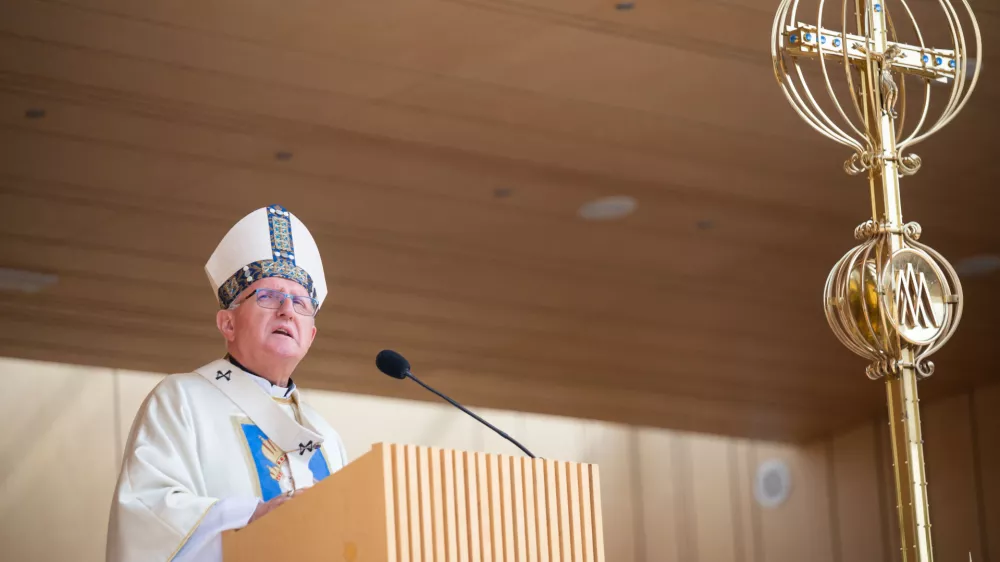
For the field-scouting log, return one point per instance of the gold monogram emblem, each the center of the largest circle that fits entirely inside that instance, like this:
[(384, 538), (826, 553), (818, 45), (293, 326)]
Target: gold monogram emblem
[(913, 300), (914, 296)]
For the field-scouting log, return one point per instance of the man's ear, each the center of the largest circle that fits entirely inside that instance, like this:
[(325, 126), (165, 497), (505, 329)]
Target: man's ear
[(226, 323)]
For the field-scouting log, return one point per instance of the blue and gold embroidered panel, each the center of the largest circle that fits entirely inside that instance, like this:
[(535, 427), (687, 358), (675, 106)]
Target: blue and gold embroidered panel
[(319, 466), (280, 228), (268, 461)]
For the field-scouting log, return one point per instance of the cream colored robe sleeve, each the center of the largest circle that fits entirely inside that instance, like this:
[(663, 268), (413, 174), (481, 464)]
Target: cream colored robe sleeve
[(161, 494)]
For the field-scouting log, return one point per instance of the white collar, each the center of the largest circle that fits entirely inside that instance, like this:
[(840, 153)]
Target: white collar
[(272, 389)]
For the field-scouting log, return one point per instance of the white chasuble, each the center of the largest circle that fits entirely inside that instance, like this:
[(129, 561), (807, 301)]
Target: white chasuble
[(206, 446)]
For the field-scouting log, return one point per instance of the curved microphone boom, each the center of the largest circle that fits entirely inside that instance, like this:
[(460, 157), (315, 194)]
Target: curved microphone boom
[(397, 367)]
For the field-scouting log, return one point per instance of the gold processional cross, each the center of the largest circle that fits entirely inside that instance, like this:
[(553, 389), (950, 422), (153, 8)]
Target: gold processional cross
[(891, 299)]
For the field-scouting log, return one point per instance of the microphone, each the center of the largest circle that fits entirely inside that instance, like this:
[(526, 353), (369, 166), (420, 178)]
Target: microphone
[(397, 367)]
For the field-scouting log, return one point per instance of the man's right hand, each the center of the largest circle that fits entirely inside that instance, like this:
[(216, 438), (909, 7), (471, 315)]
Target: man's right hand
[(266, 507)]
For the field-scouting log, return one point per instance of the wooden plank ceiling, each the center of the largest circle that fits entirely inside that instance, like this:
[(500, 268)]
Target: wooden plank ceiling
[(439, 151)]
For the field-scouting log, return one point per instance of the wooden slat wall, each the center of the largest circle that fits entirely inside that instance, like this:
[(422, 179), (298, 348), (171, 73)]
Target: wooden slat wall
[(856, 488), (682, 496), (666, 496), (951, 479), (986, 414)]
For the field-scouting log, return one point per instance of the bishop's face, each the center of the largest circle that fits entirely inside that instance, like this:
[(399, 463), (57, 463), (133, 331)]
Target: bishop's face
[(269, 339)]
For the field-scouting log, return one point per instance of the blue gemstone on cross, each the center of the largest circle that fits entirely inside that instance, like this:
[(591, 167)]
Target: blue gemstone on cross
[(809, 36), (938, 60), (836, 42), (927, 58), (793, 38), (951, 64), (822, 39), (878, 7)]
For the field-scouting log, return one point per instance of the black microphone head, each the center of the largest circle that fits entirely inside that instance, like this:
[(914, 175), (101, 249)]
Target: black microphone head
[(392, 364)]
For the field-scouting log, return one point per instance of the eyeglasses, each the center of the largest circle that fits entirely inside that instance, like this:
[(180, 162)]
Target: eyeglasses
[(270, 298)]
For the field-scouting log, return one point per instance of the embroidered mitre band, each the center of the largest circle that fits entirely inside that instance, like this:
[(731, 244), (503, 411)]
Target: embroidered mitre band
[(269, 242)]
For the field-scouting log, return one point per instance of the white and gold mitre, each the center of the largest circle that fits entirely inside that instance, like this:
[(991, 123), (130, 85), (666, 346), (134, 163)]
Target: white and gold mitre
[(269, 242)]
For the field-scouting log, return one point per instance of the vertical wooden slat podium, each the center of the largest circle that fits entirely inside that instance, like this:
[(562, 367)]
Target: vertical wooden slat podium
[(403, 503)]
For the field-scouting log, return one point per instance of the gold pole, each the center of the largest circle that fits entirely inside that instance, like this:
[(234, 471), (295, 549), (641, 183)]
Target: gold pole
[(912, 506)]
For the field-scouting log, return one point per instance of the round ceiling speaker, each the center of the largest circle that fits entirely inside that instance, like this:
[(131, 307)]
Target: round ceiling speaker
[(772, 483)]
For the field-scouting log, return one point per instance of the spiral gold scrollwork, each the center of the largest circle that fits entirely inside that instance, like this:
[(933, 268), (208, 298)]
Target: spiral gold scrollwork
[(887, 367), (912, 230), (882, 368), (925, 368), (909, 164), (861, 162), (866, 230)]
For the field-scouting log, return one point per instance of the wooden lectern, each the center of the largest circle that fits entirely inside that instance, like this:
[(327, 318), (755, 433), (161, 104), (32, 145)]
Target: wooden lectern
[(402, 503)]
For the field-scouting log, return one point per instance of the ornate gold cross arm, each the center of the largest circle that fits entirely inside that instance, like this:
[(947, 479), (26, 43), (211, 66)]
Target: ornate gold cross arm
[(804, 40)]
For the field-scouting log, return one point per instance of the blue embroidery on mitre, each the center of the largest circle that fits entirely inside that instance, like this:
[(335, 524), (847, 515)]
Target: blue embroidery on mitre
[(282, 265), (280, 225), (243, 278)]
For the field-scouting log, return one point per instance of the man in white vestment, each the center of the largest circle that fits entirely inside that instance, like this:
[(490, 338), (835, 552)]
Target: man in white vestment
[(217, 448)]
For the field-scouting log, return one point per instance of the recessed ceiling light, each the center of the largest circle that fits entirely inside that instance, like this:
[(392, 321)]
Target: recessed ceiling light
[(25, 281), (283, 155), (976, 266), (608, 208), (34, 113)]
